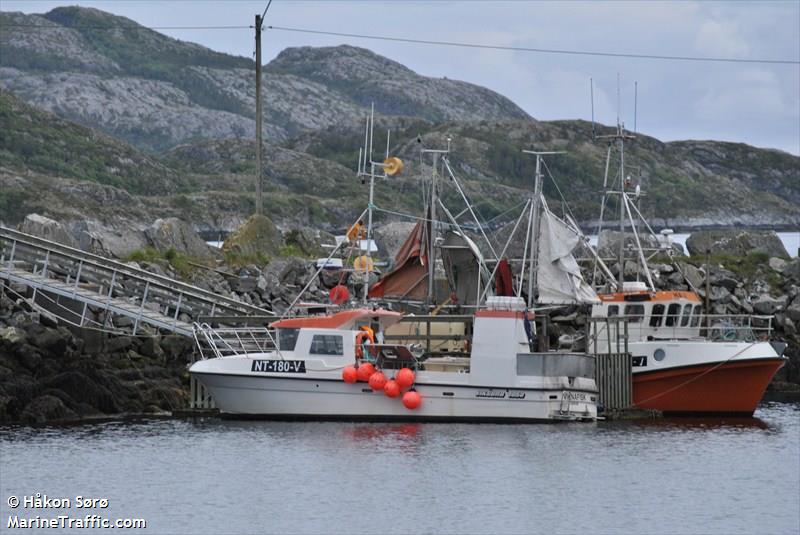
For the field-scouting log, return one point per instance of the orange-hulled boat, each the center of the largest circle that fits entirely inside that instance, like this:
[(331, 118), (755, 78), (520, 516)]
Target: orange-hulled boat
[(686, 362)]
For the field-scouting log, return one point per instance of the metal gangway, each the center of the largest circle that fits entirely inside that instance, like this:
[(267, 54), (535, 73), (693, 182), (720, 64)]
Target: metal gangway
[(98, 284)]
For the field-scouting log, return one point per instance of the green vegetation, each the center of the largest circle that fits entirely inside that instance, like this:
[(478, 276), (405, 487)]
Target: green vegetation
[(13, 203), (180, 262)]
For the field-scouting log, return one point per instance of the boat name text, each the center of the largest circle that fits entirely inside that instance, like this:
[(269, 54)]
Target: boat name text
[(279, 366)]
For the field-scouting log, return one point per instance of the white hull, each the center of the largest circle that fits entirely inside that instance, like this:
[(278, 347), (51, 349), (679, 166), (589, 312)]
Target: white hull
[(291, 397)]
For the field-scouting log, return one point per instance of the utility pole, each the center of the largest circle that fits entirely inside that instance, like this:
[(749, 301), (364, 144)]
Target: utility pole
[(259, 144)]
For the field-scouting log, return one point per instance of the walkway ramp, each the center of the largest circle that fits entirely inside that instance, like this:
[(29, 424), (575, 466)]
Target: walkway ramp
[(99, 284)]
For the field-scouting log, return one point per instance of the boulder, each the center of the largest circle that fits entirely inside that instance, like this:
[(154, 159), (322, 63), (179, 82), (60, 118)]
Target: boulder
[(46, 408), (793, 310), (116, 241), (767, 305), (792, 270), (308, 241), (390, 237), (738, 243), (608, 243), (47, 228), (693, 275), (172, 233), (777, 264), (256, 235)]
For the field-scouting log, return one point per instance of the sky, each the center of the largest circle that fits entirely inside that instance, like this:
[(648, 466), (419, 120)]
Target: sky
[(758, 104)]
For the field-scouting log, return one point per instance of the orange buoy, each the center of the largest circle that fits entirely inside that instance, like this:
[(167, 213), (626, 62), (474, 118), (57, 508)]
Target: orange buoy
[(350, 374), (391, 388), (365, 371), (412, 399), (377, 381), (339, 294), (404, 378)]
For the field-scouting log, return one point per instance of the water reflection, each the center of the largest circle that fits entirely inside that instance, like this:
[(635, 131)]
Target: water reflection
[(692, 422)]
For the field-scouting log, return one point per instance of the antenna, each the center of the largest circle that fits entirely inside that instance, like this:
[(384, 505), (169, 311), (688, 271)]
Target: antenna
[(591, 96), (617, 99), (635, 98)]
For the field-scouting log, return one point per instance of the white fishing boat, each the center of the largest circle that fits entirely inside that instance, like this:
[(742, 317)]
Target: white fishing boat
[(683, 361), (320, 366)]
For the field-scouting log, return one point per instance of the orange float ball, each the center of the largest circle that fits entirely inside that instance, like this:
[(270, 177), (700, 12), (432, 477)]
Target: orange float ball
[(350, 374), (404, 378), (365, 371), (377, 381), (412, 399), (391, 388)]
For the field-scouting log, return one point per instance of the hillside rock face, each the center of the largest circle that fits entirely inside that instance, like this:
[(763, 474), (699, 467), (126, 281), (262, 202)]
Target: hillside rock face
[(157, 92), (172, 233), (258, 235)]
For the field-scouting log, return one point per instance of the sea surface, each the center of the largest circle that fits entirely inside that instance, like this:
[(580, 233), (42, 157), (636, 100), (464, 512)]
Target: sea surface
[(220, 476)]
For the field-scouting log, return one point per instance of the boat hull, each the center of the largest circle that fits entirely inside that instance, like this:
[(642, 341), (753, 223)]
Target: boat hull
[(713, 388), (273, 397)]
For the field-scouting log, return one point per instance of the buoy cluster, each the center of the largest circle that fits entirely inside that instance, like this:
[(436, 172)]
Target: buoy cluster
[(402, 382)]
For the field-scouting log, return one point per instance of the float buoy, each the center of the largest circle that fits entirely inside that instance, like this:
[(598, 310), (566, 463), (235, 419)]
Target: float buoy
[(412, 399), (377, 381), (339, 294), (350, 375), (391, 388), (365, 371), (404, 378)]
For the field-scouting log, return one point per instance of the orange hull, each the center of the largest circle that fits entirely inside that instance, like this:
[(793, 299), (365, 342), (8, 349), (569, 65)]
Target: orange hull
[(731, 388)]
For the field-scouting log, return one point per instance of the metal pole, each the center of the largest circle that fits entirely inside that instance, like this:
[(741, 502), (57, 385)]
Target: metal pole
[(432, 233), (537, 193), (621, 210), (259, 145)]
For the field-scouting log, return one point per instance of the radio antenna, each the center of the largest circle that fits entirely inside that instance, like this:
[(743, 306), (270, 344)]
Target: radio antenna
[(635, 103), (617, 99), (591, 96)]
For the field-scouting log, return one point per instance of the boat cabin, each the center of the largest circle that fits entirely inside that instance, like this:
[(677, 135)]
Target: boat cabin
[(653, 315)]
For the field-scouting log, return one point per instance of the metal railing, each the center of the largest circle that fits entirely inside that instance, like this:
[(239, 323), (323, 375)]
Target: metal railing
[(713, 327), (108, 284), (225, 342)]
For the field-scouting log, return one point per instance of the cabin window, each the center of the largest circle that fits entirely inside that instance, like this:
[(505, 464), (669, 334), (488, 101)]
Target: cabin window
[(613, 310), (698, 311), (687, 312), (326, 344), (635, 313), (287, 339), (673, 312), (657, 317)]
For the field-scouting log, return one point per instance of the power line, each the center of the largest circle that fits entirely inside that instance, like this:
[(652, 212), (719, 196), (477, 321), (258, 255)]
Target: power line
[(536, 50), (122, 27)]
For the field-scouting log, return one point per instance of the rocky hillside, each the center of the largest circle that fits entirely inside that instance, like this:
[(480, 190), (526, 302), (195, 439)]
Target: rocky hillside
[(157, 92)]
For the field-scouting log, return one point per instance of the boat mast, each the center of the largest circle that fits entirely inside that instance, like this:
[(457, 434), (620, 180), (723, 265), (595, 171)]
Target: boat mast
[(534, 223)]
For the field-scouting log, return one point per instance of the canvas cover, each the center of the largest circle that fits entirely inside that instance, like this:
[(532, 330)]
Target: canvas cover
[(558, 274), (409, 278)]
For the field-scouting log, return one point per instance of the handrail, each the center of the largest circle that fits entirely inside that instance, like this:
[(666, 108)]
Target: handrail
[(107, 264)]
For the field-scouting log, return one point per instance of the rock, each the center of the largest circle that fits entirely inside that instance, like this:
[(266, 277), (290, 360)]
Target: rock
[(52, 341), (694, 276), (390, 237), (792, 270), (48, 229), (118, 344), (777, 264), (172, 233), (117, 241), (12, 335), (608, 243), (767, 305), (244, 285), (150, 347), (46, 408), (257, 235), (177, 347), (793, 310), (308, 242), (737, 243)]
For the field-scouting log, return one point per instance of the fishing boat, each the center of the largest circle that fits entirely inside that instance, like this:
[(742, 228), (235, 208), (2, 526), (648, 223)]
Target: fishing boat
[(684, 361), (342, 364)]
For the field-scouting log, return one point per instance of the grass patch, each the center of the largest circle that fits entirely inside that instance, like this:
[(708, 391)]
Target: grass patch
[(237, 260), (180, 262)]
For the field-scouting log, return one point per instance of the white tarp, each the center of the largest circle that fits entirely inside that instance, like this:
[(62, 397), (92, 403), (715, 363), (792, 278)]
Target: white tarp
[(558, 275)]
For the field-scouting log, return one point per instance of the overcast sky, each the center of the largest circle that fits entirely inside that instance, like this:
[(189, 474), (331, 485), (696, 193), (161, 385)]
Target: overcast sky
[(753, 103)]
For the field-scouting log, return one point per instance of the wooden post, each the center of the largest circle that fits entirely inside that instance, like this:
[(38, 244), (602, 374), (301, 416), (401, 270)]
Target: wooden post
[(259, 146)]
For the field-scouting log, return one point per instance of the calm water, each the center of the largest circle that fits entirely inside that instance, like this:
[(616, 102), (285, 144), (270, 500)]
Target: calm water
[(213, 476)]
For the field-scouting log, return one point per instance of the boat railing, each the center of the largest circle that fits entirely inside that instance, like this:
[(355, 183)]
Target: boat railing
[(222, 342), (713, 327)]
